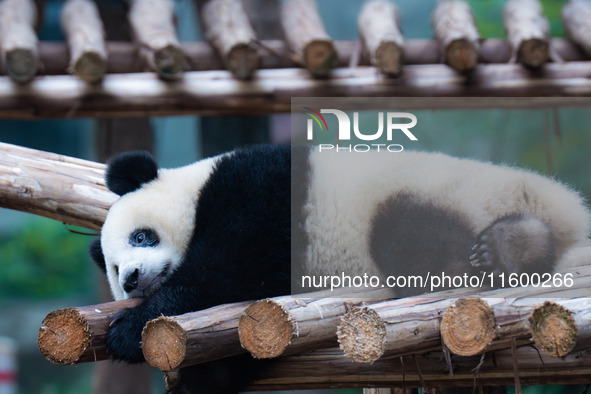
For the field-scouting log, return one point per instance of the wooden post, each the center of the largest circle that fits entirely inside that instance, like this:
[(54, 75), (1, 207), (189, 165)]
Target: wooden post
[(175, 342), (382, 39), (226, 26), (18, 39), (305, 35), (576, 16), (83, 29), (152, 24), (78, 335), (455, 29), (272, 327), (527, 31)]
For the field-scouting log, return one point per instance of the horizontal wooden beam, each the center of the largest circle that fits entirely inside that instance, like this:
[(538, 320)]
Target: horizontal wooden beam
[(124, 57), (325, 369), (218, 93), (59, 187)]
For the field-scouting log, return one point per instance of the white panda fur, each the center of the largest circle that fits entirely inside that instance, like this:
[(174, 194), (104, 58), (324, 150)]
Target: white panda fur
[(346, 187), (168, 201)]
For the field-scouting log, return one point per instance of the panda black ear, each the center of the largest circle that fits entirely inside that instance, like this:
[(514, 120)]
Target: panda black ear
[(129, 171), (96, 252)]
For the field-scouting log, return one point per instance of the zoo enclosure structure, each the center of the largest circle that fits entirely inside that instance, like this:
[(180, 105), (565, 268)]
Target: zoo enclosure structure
[(361, 339), (236, 72)]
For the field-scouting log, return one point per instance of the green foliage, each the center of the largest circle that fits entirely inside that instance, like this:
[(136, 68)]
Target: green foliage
[(489, 17), (549, 389), (44, 260)]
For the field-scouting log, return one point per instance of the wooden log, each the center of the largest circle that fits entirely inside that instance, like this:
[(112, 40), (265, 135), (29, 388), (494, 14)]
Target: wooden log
[(470, 327), (527, 31), (58, 187), (152, 24), (455, 29), (175, 342), (306, 37), (576, 17), (328, 368), (84, 32), (78, 335), (217, 92), (382, 39), (124, 56), (553, 329), (226, 26), (18, 40), (292, 324)]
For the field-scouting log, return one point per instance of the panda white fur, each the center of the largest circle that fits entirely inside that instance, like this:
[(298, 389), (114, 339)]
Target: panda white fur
[(223, 229)]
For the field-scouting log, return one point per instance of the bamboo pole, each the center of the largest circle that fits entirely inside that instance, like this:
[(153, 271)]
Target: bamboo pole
[(83, 29), (152, 24), (58, 187), (576, 16), (227, 27), (18, 40), (527, 31), (382, 39), (455, 29), (292, 324), (78, 335), (170, 343), (306, 37)]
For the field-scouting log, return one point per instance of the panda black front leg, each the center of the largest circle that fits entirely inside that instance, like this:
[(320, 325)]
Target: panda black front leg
[(125, 332), (516, 243), (124, 336)]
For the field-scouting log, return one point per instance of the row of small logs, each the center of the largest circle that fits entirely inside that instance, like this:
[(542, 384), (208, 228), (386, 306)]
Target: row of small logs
[(365, 327), (227, 28)]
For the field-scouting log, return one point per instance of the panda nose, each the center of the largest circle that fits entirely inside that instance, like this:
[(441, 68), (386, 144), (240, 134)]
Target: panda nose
[(131, 281)]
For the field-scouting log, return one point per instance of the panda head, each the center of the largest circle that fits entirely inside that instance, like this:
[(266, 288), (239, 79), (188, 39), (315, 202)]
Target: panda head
[(148, 229)]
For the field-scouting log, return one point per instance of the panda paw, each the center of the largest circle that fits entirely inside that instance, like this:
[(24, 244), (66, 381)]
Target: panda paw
[(124, 336), (482, 256)]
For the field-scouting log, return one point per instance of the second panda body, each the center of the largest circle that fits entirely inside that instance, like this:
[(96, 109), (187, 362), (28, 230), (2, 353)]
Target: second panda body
[(357, 202), (226, 229)]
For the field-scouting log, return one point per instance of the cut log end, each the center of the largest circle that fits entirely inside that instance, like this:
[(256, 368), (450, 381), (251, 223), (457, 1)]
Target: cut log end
[(468, 326), (362, 335), (164, 343), (534, 52), (461, 55), (242, 61), (389, 58), (21, 64), (90, 67), (265, 329), (169, 62), (64, 337), (320, 57), (553, 329)]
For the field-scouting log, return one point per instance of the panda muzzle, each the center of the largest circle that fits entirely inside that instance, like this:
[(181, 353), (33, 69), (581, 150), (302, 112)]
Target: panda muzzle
[(131, 282)]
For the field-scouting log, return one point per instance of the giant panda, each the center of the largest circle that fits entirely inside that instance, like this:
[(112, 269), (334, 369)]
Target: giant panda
[(225, 229)]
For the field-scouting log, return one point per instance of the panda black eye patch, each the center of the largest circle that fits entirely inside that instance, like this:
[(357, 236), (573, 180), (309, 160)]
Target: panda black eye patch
[(143, 238)]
